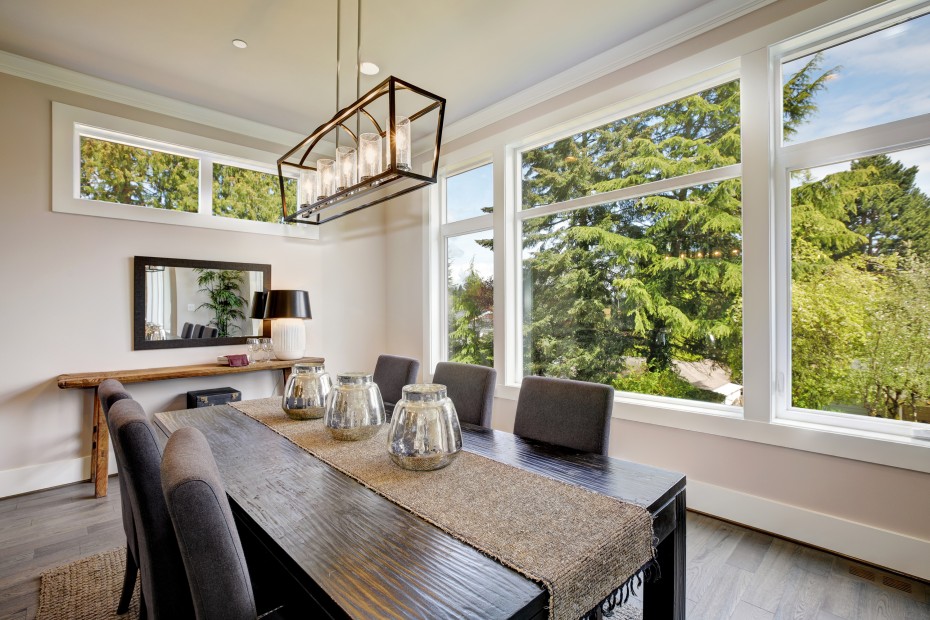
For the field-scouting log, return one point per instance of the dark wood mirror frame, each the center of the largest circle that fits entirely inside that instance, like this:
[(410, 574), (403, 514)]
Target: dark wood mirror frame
[(138, 306)]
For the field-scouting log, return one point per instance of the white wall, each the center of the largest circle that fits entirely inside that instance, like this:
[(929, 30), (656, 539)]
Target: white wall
[(869, 511), (66, 283)]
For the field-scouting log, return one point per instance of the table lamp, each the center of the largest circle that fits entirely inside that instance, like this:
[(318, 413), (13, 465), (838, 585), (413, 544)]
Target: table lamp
[(287, 310), (259, 298)]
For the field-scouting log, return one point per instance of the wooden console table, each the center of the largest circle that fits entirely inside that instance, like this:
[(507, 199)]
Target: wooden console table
[(100, 440)]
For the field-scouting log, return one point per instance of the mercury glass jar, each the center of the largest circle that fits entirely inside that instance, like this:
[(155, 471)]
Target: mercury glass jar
[(425, 432), (306, 391), (354, 409)]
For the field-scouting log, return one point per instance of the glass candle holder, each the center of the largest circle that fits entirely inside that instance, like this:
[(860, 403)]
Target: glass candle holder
[(354, 409), (425, 432), (326, 175), (346, 167), (402, 143), (369, 146), (306, 391), (308, 187)]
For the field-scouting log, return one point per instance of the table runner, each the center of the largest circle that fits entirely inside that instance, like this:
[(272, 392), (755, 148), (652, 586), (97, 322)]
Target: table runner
[(582, 546)]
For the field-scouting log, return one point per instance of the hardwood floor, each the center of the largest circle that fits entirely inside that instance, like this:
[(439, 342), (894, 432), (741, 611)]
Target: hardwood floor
[(732, 572)]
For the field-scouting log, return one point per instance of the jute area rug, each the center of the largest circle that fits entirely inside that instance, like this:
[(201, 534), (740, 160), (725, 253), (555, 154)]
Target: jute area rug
[(87, 589)]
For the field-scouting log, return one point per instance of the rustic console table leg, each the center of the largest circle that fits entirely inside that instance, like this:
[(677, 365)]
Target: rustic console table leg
[(94, 440), (100, 454)]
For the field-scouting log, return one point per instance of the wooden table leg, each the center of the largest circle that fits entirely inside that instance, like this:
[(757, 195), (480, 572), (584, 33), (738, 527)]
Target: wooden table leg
[(100, 450), (665, 597), (98, 410)]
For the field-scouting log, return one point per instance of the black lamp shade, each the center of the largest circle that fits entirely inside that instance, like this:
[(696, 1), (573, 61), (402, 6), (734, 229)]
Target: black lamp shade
[(287, 304), (258, 304)]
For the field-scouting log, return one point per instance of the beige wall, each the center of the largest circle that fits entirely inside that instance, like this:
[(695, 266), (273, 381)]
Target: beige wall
[(874, 512), (66, 283)]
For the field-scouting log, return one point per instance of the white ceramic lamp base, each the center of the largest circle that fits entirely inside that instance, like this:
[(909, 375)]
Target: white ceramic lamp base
[(289, 337)]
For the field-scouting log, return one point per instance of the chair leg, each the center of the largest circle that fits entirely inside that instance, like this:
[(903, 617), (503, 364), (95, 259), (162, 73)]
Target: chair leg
[(129, 583)]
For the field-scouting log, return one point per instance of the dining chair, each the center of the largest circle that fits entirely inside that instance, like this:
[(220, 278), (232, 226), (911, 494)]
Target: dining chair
[(392, 373), (164, 584), (564, 412), (186, 330), (109, 392), (197, 332), (216, 566), (209, 332), (471, 389)]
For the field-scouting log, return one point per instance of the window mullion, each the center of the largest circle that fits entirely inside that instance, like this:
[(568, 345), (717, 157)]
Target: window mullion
[(205, 194)]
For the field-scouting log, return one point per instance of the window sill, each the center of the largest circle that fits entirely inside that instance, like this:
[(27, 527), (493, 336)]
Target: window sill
[(868, 446)]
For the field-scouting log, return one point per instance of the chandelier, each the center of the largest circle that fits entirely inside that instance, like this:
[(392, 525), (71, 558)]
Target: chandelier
[(353, 161)]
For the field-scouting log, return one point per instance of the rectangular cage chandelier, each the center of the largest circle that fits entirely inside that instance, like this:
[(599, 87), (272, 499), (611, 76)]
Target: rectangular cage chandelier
[(340, 171)]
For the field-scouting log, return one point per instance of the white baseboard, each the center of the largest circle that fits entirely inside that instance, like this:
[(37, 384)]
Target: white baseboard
[(37, 477), (883, 548)]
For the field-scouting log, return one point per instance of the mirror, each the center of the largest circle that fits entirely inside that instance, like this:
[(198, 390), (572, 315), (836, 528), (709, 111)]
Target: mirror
[(180, 302)]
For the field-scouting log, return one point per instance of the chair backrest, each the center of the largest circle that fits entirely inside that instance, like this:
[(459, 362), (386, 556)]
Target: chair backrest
[(392, 373), (209, 332), (197, 332), (471, 389), (164, 583), (206, 532), (109, 391), (573, 414), (186, 330)]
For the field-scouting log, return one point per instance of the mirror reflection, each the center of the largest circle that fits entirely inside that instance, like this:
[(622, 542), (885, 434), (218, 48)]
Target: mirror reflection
[(196, 303)]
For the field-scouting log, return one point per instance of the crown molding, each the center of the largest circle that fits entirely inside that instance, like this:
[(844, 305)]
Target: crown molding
[(684, 27), (45, 73)]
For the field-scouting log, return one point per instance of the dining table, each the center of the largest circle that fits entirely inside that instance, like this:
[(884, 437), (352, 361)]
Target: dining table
[(338, 547)]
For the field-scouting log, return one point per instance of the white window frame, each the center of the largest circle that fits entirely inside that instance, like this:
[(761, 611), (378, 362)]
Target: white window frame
[(720, 75), (70, 123), (446, 230), (753, 56), (884, 138)]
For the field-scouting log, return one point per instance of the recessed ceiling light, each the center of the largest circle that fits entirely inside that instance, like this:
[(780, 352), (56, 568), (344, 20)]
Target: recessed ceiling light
[(240, 44), (369, 68)]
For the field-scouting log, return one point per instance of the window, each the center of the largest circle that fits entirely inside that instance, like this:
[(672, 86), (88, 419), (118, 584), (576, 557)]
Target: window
[(103, 166), (859, 230), (469, 266), (632, 275)]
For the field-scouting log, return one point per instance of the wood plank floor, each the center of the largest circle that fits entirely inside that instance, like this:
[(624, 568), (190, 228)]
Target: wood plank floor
[(732, 572)]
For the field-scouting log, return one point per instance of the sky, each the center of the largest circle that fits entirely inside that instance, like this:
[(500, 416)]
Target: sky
[(879, 78), (466, 194)]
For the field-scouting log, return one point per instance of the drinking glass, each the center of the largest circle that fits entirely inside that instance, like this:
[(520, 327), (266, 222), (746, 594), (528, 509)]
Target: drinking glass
[(267, 349), (255, 348)]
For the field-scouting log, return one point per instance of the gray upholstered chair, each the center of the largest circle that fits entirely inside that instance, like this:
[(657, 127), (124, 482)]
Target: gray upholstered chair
[(573, 414), (109, 392), (392, 373), (197, 332), (209, 332), (164, 583), (186, 330), (203, 522), (471, 389)]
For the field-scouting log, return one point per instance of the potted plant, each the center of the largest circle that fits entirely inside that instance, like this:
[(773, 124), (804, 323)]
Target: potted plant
[(226, 302)]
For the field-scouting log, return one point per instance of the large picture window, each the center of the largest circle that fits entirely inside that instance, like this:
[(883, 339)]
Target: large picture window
[(859, 228), (642, 290)]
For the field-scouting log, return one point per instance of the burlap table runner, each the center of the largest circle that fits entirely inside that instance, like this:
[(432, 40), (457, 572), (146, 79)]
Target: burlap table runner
[(582, 546)]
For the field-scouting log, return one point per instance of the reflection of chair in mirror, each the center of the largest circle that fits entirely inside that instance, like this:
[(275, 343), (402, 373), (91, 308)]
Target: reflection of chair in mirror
[(209, 332), (187, 330), (198, 331)]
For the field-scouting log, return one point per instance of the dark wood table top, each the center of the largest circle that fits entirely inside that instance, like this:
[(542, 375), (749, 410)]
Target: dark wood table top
[(369, 557)]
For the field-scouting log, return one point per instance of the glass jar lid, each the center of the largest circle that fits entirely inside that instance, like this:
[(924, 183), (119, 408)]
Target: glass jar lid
[(354, 378), (304, 368), (424, 392)]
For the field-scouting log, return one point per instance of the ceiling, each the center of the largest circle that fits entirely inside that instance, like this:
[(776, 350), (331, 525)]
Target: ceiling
[(472, 52)]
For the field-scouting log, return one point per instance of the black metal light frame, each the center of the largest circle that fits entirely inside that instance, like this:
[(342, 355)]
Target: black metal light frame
[(345, 201)]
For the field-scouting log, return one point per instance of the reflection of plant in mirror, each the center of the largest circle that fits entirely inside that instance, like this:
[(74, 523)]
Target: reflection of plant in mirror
[(223, 288)]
